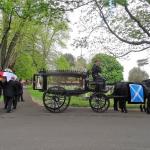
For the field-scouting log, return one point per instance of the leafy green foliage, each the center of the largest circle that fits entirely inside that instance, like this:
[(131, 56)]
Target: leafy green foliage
[(23, 16), (111, 68), (24, 66), (70, 58), (121, 2), (62, 63), (37, 10)]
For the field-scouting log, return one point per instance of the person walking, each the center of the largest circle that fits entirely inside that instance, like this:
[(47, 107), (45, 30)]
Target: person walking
[(10, 92), (3, 86), (20, 91), (16, 97)]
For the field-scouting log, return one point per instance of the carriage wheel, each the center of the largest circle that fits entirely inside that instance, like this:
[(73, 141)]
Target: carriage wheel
[(55, 100), (99, 102)]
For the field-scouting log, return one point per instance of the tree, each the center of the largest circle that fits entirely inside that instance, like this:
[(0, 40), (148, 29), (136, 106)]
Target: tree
[(135, 30), (47, 40), (137, 75), (130, 25), (70, 58), (80, 64), (127, 21), (24, 66), (112, 70), (28, 46), (62, 63), (16, 15)]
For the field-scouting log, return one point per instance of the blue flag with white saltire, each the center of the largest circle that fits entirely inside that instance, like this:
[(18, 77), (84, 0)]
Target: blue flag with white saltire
[(136, 93)]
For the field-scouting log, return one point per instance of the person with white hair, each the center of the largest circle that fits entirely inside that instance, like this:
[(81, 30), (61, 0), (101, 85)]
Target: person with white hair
[(9, 88), (8, 70)]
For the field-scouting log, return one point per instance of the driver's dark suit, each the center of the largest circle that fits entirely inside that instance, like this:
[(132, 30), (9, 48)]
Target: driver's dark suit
[(96, 70)]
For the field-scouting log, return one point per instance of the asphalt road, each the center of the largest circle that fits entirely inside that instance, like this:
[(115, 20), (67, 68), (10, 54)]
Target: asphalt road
[(31, 127)]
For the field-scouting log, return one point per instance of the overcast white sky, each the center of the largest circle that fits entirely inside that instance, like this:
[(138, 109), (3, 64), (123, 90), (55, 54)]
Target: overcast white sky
[(128, 63), (131, 62)]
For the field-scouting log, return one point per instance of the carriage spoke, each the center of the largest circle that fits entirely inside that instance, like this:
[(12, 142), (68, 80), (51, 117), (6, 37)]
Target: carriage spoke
[(55, 101), (99, 103)]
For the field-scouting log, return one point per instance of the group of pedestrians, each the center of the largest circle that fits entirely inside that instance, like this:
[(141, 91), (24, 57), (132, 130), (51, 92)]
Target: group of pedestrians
[(12, 91)]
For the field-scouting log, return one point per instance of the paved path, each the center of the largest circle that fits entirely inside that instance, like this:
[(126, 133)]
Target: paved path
[(31, 127)]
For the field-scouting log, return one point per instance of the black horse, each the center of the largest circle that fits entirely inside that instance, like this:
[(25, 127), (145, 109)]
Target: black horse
[(146, 84), (122, 95)]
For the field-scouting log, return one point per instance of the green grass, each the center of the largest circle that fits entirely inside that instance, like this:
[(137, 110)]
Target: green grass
[(36, 95), (76, 101), (79, 102)]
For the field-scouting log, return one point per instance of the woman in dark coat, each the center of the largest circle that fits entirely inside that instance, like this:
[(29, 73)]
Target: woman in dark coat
[(10, 92), (20, 90)]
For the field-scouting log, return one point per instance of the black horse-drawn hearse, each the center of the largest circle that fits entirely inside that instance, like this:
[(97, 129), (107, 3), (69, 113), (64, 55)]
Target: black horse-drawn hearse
[(59, 85)]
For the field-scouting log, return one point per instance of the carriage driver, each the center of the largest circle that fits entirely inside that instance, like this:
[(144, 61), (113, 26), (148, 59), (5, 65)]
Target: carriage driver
[(96, 74)]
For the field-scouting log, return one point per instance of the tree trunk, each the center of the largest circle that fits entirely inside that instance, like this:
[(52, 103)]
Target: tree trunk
[(11, 49), (4, 40)]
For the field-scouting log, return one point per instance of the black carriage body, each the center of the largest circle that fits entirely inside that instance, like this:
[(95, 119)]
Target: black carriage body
[(58, 87), (74, 82)]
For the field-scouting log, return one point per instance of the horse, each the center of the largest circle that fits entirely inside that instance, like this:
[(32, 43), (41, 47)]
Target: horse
[(146, 83), (121, 95)]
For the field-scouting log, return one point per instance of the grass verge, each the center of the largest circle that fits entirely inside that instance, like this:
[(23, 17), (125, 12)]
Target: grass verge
[(76, 101)]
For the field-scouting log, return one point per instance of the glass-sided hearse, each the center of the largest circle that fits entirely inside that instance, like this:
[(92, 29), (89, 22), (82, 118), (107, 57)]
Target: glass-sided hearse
[(59, 85)]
